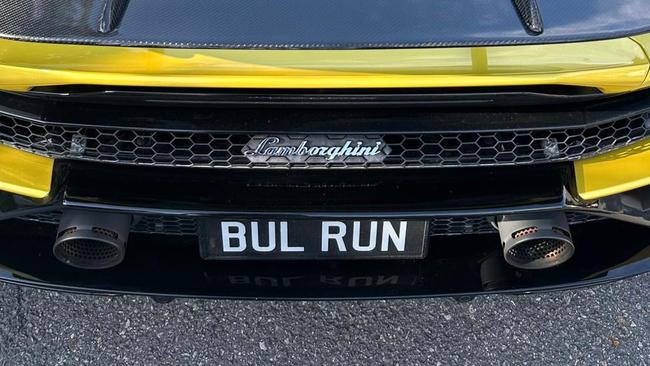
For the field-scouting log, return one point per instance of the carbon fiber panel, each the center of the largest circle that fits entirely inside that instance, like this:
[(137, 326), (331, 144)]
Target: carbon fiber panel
[(333, 24), (530, 15)]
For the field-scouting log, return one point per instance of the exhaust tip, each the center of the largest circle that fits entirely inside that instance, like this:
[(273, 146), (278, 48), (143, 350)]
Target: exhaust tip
[(540, 253), (81, 250), (536, 241), (90, 240)]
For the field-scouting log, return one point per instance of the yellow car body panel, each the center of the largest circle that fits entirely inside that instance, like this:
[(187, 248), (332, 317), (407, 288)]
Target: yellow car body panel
[(24, 173), (615, 172), (613, 66)]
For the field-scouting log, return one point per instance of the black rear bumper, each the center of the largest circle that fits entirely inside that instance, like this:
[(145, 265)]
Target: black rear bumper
[(170, 265), (162, 265), (460, 200)]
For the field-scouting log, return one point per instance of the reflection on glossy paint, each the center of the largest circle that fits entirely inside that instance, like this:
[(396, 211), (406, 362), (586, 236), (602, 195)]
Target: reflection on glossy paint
[(615, 172), (613, 66)]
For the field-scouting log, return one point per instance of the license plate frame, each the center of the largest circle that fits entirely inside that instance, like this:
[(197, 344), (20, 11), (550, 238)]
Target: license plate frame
[(393, 239)]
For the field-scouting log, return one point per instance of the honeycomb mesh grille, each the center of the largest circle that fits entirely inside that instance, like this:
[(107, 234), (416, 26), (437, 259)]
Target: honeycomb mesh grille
[(166, 225), (174, 225), (170, 225), (204, 149), (483, 225)]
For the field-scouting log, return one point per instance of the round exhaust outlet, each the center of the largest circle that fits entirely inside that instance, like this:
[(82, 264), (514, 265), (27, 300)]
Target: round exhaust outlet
[(91, 240), (536, 241)]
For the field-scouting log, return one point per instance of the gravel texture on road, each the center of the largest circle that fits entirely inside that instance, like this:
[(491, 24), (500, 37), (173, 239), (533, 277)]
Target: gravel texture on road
[(605, 325)]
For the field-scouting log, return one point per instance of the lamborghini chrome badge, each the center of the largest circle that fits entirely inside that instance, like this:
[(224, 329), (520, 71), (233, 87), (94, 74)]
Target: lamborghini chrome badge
[(322, 148)]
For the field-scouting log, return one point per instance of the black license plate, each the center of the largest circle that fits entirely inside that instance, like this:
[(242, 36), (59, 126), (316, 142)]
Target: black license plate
[(313, 239)]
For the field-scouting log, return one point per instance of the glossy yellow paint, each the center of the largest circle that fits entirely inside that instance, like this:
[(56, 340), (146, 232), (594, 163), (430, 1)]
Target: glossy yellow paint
[(24, 173), (616, 65), (615, 172), (643, 40)]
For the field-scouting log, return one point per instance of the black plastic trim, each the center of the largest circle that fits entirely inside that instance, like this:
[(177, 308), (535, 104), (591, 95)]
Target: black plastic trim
[(310, 119), (380, 193)]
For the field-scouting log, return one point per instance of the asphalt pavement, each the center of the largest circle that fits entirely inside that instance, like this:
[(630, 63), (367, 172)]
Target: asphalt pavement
[(605, 325)]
